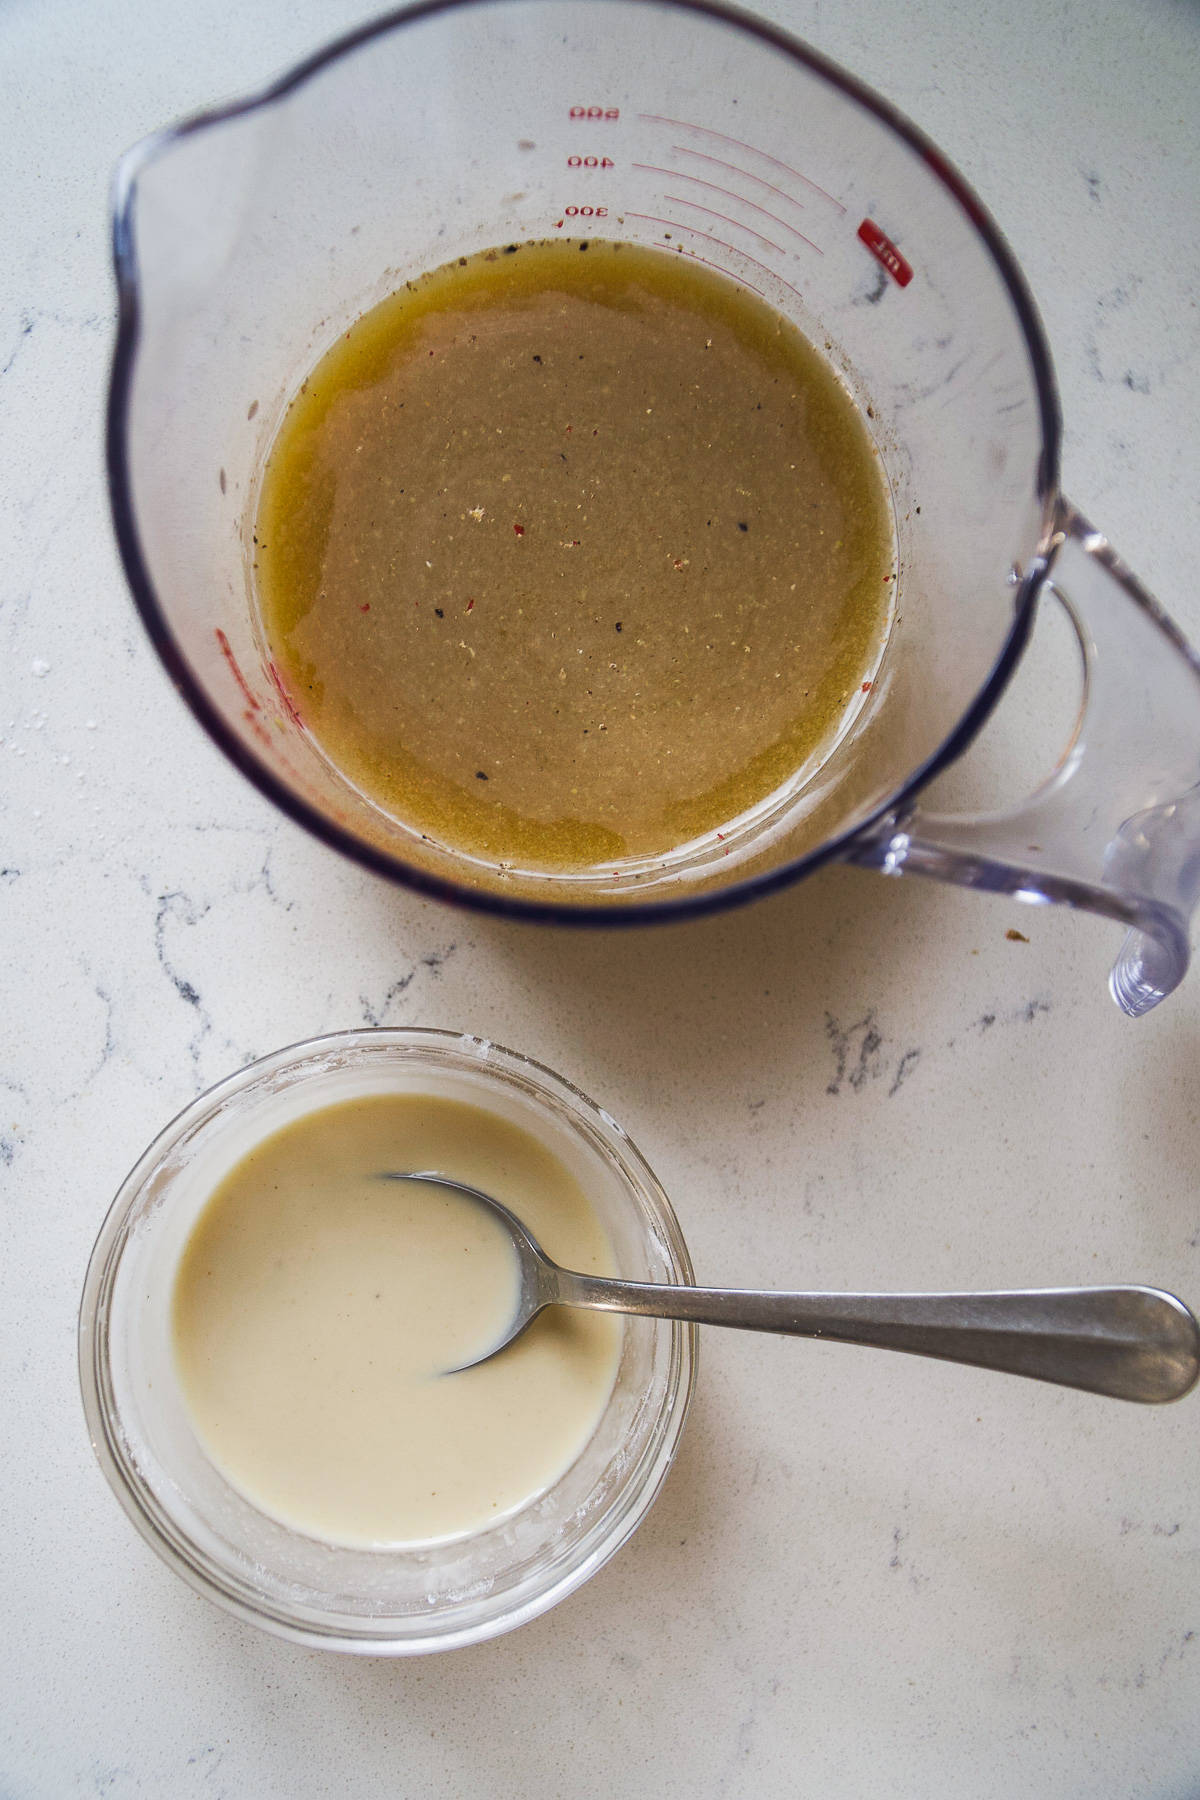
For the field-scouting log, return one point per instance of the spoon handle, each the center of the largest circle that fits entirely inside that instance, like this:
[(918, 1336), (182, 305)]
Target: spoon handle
[(1135, 1343)]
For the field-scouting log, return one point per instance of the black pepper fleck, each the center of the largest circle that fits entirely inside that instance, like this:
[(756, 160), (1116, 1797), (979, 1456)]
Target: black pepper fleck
[(479, 775), (742, 525)]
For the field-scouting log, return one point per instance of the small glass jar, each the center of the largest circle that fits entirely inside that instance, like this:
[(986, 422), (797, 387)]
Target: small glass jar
[(388, 1601)]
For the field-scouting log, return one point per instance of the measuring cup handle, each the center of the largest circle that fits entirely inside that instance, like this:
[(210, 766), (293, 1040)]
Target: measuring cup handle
[(1116, 828)]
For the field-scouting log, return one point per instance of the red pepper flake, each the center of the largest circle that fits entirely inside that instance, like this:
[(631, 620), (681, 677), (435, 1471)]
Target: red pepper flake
[(867, 686), (366, 607), (520, 530), (470, 606), (570, 429)]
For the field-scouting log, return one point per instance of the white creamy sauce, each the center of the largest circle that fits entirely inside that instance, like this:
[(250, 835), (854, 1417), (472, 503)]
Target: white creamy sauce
[(317, 1309)]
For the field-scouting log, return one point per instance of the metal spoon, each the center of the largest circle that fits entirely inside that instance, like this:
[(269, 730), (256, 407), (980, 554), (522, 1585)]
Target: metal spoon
[(1135, 1343)]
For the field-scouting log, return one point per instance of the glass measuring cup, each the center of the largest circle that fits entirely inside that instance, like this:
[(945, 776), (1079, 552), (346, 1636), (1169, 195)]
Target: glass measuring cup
[(246, 241)]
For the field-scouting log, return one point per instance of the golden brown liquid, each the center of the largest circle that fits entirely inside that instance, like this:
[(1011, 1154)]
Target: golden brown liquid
[(573, 553)]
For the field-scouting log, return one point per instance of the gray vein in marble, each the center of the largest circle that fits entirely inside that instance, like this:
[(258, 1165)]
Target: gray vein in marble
[(376, 1013), (900, 1561), (863, 1054), (11, 1136), (873, 293), (262, 882), (860, 1056), (27, 324), (207, 1760), (1175, 1652), (108, 1047), (104, 1776), (1116, 370), (178, 906), (857, 1071), (904, 1069)]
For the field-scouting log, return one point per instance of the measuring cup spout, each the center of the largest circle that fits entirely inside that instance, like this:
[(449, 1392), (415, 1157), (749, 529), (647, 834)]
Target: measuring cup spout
[(1116, 828)]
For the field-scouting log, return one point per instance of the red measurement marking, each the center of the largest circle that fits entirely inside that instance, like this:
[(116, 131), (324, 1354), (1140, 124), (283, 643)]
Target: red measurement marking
[(231, 659), (289, 705), (686, 124), (676, 200), (653, 219), (885, 252), (679, 174), (258, 728), (695, 256), (736, 169)]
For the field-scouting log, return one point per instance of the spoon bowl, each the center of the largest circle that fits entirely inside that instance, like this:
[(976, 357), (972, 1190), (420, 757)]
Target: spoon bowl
[(1131, 1342)]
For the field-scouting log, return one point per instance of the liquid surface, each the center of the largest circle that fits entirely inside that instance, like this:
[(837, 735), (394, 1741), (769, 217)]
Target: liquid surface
[(572, 553), (317, 1308)]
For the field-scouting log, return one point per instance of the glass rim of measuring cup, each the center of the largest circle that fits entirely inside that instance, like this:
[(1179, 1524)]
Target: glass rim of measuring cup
[(203, 1549), (394, 867)]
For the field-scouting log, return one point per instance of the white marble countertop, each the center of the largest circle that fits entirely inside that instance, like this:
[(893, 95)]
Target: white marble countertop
[(867, 1576)]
